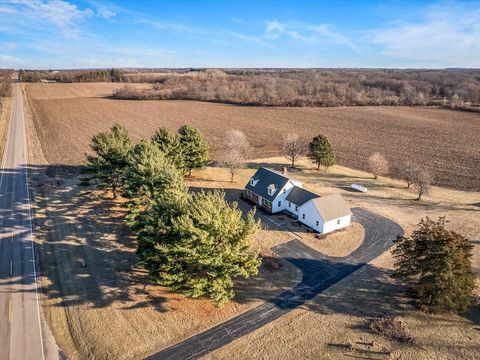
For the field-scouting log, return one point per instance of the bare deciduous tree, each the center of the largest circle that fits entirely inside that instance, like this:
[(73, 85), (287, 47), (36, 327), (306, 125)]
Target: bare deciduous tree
[(378, 165), (236, 139), (422, 182), (408, 171), (237, 149), (233, 160), (293, 147)]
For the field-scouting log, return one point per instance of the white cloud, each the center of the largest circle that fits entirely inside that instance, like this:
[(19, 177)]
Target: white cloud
[(8, 45), (249, 38), (9, 61), (7, 10), (448, 36), (42, 13), (105, 13), (274, 29), (307, 33)]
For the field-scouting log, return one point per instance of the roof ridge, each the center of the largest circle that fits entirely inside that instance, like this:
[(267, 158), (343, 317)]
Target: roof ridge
[(279, 173), (303, 189)]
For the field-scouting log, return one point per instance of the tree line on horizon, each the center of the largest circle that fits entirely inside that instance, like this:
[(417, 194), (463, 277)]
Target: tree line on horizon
[(278, 87)]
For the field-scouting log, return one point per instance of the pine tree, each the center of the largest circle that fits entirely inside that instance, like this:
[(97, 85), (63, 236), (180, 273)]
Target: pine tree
[(112, 149), (115, 75), (169, 143), (321, 152), (439, 262), (150, 172), (155, 189), (203, 248), (194, 148)]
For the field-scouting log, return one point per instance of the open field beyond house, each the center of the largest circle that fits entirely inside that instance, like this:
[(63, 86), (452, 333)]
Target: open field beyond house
[(67, 115)]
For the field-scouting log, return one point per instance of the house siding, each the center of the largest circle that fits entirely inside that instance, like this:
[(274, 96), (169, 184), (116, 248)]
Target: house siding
[(281, 196), (333, 225), (311, 216)]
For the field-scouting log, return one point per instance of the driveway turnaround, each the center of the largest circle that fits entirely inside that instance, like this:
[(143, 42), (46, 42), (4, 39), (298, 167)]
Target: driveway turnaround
[(319, 273)]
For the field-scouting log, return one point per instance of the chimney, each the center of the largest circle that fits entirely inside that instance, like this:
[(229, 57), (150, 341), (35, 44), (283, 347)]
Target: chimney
[(284, 171)]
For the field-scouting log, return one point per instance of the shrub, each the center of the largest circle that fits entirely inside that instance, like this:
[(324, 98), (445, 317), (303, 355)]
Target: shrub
[(390, 327)]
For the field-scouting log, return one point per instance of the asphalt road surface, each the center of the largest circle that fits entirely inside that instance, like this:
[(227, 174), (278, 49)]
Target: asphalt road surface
[(20, 316), (319, 273)]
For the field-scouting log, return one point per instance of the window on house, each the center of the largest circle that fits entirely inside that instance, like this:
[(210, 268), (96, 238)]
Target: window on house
[(284, 190), (289, 204), (279, 203), (303, 216), (338, 222), (317, 222), (296, 208)]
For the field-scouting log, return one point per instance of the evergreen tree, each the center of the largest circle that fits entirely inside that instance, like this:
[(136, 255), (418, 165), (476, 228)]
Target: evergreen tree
[(320, 151), (150, 173), (169, 143), (439, 262), (194, 148), (202, 248), (112, 149), (115, 75)]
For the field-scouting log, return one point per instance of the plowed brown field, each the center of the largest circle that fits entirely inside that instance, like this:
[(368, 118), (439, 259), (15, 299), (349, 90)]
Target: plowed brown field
[(444, 141)]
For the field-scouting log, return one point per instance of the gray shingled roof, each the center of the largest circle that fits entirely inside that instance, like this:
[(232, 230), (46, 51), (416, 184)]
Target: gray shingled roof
[(299, 196), (265, 178), (331, 206)]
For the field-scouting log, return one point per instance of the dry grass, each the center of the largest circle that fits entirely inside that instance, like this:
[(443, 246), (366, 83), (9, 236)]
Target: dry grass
[(104, 311), (5, 109), (340, 243), (107, 309), (332, 326), (69, 114), (104, 300)]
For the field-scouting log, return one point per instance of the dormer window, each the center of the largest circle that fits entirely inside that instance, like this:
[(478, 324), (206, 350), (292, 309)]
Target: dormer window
[(253, 182), (271, 189)]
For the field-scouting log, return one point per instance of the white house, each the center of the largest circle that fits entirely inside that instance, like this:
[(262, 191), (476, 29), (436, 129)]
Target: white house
[(276, 192)]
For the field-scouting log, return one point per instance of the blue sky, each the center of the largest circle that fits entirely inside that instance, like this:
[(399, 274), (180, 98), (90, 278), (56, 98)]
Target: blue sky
[(87, 34)]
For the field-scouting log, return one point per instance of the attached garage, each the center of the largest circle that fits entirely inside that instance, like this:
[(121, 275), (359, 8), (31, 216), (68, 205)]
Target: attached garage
[(326, 213)]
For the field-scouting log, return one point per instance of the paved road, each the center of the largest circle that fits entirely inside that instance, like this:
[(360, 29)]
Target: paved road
[(319, 273), (20, 318)]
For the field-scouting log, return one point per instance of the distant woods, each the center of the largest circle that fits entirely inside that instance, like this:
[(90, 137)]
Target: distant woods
[(71, 76), (281, 87), (5, 83)]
